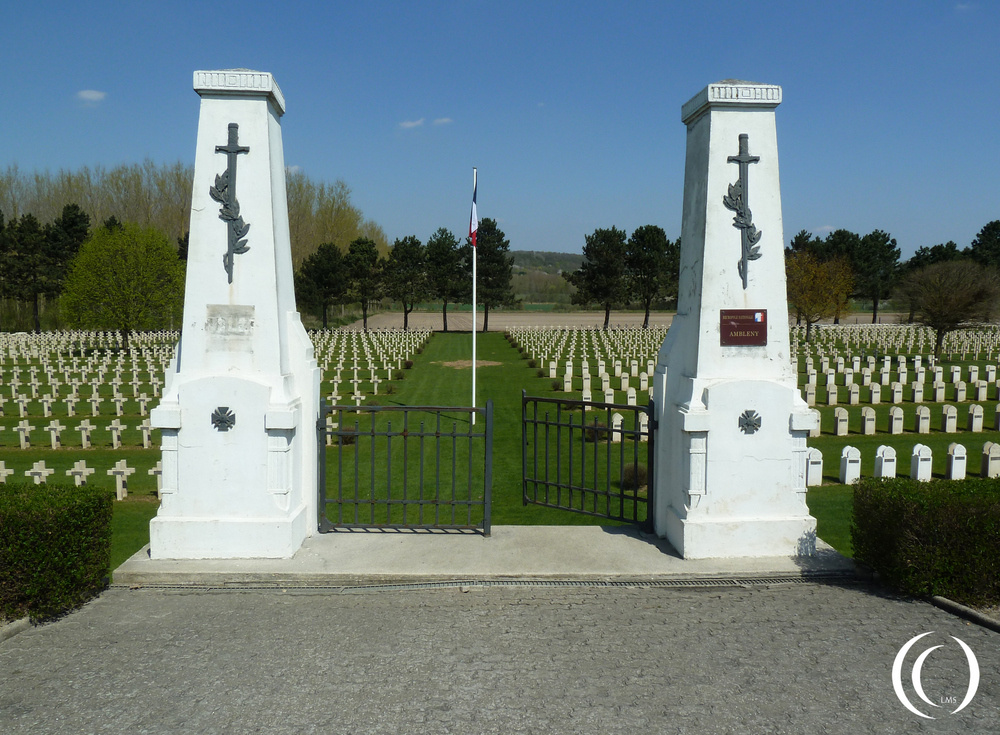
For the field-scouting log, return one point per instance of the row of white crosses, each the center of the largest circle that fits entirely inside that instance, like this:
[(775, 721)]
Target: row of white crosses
[(85, 428), (619, 356), (56, 373), (921, 459), (369, 357), (922, 420), (39, 473)]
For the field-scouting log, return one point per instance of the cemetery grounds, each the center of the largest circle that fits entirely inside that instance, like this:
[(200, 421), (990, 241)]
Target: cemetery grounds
[(56, 383)]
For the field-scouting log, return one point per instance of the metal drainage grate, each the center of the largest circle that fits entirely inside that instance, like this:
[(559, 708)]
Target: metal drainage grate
[(703, 582)]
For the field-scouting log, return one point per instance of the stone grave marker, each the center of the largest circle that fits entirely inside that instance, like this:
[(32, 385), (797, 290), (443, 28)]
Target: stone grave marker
[(923, 421), (885, 462), (39, 472), (80, 472), (949, 419), (920, 463), (85, 428), (896, 391), (956, 462), (990, 466), (868, 421), (55, 429), (895, 420), (120, 472), (840, 421), (875, 394), (814, 467), (975, 422), (24, 430), (850, 465)]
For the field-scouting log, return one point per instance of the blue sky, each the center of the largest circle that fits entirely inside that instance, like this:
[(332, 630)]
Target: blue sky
[(570, 110)]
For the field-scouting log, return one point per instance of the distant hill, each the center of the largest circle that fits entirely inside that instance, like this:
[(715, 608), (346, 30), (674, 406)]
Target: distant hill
[(552, 263), (538, 276)]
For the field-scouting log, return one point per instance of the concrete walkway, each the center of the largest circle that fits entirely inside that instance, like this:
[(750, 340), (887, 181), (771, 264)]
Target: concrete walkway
[(511, 552)]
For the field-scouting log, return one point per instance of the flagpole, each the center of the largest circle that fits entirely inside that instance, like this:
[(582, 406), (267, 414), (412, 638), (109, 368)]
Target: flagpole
[(473, 226)]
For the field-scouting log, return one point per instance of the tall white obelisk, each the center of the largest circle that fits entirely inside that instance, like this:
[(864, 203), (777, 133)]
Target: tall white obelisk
[(239, 410), (731, 436)]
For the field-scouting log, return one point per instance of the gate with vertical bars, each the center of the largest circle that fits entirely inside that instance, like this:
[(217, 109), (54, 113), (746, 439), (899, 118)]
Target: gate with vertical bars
[(589, 458), (405, 467)]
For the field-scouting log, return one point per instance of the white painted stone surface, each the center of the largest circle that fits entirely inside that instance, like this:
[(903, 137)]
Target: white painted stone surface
[(250, 490), (885, 462), (724, 491), (920, 463), (850, 465), (956, 461)]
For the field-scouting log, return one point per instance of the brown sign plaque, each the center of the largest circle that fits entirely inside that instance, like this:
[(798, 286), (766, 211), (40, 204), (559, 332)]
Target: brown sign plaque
[(743, 327)]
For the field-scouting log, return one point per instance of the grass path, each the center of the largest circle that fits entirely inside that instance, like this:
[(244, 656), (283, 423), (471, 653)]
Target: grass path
[(500, 377)]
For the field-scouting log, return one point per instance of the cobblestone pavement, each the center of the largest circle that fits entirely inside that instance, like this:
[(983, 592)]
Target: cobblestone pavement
[(789, 658)]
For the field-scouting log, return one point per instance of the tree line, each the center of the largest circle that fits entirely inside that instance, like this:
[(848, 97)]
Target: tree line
[(941, 286), (115, 276), (411, 272), (159, 196)]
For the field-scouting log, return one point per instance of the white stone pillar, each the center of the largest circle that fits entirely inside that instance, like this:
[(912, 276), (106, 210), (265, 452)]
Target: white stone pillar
[(241, 401), (732, 427)]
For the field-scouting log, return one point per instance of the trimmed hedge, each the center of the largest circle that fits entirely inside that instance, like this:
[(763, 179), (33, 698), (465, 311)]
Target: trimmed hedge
[(931, 538), (55, 548)]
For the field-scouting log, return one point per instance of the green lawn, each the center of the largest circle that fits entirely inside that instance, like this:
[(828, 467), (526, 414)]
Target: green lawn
[(430, 382)]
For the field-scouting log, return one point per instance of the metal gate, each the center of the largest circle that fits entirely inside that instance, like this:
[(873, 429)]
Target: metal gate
[(590, 458), (405, 467)]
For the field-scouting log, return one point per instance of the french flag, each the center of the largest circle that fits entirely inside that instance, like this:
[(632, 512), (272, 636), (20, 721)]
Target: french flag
[(474, 219)]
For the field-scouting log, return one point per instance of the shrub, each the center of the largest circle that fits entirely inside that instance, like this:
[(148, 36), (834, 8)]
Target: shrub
[(390, 389), (596, 432), (55, 547), (408, 364), (936, 538), (532, 363), (557, 385), (541, 373), (398, 375), (633, 476)]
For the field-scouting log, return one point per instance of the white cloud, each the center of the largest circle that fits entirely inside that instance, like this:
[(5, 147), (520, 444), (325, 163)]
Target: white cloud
[(407, 124), (443, 121), (91, 96), (293, 169), (827, 229)]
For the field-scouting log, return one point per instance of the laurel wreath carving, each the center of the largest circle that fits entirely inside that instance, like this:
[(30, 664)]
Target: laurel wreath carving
[(743, 221), (230, 213)]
